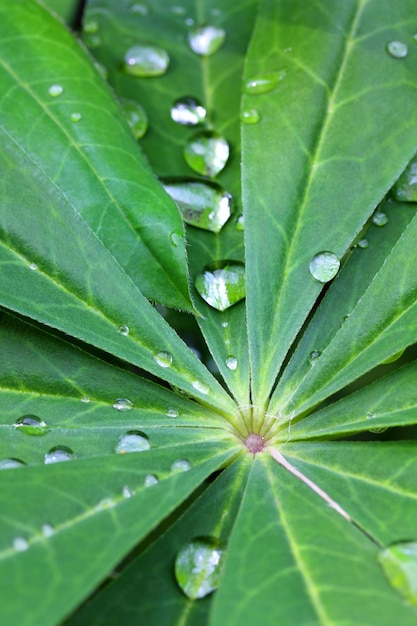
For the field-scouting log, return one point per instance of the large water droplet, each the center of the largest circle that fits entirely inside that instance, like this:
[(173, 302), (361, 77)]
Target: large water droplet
[(264, 83), (181, 465), (222, 284), (397, 49), (11, 464), (204, 205), (206, 40), (405, 188), (135, 116), (20, 544), (58, 454), (198, 567), (122, 404), (324, 266), (150, 480), (399, 562), (250, 116), (132, 441), (207, 153), (188, 112), (380, 218), (31, 425), (145, 61), (231, 363), (163, 359), (55, 90)]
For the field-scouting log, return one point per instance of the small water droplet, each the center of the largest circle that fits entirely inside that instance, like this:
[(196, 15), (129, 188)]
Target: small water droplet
[(206, 40), (127, 492), (90, 26), (399, 562), (11, 463), (200, 387), (203, 205), (31, 425), (181, 465), (75, 117), (123, 330), (136, 117), (379, 218), (133, 441), (145, 61), (405, 189), (254, 442), (264, 83), (314, 355), (172, 412), (207, 153), (122, 404), (58, 454), (231, 363), (20, 544), (324, 266), (150, 480), (222, 284), (370, 415), (55, 90), (188, 112), (250, 116), (105, 503), (48, 530), (139, 8), (33, 267), (85, 399), (198, 567), (363, 243), (163, 359), (190, 21), (240, 222), (225, 324), (176, 239), (397, 49)]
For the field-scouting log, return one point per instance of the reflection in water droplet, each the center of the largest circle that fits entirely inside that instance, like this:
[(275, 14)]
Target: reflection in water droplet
[(75, 117), (150, 480), (200, 387), (133, 441), (399, 562), (20, 544), (397, 49), (172, 412), (58, 454), (188, 112), (127, 492), (181, 465), (198, 567), (231, 363), (264, 83), (207, 153), (324, 266), (250, 116), (405, 189), (122, 404), (222, 284), (163, 359), (135, 116), (379, 218), (33, 267), (11, 463), (314, 355), (203, 205), (145, 61), (55, 90), (206, 40), (363, 243), (31, 425), (123, 330), (48, 530)]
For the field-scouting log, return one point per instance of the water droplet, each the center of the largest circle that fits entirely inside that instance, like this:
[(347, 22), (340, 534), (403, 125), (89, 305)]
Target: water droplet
[(207, 153), (178, 10), (48, 530), (176, 239), (139, 8), (58, 454), (200, 387), (240, 222), (181, 465), (163, 359), (314, 355), (127, 492), (188, 112), (150, 480), (123, 330), (75, 117), (264, 83), (222, 284), (225, 324), (55, 90), (145, 61), (135, 116), (190, 21), (11, 464), (370, 415), (85, 399), (122, 404), (324, 266), (378, 430), (198, 567), (33, 267), (399, 562), (231, 363), (172, 412), (133, 441), (254, 442), (105, 503), (90, 26), (405, 189), (379, 218), (31, 425), (206, 40), (203, 205), (363, 243), (20, 544), (250, 116), (397, 49)]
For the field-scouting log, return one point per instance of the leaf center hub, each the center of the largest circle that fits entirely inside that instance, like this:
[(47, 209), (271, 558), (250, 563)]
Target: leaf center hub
[(255, 443)]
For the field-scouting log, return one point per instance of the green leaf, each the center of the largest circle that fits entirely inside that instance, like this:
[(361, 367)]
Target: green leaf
[(312, 171), (80, 142), (66, 9)]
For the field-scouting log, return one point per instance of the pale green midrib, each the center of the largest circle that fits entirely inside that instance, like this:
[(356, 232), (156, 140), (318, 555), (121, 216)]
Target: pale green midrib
[(112, 200), (81, 428), (304, 201)]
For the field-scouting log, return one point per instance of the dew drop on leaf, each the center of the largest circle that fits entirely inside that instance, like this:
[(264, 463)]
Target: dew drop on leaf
[(314, 355), (33, 267), (206, 40), (397, 49), (188, 112), (123, 330), (240, 222), (264, 83), (31, 425), (75, 117), (175, 239), (163, 359), (11, 464), (231, 363), (198, 567), (222, 284), (48, 530), (133, 441), (207, 153), (370, 415), (122, 404), (405, 189), (203, 205), (127, 492), (90, 26), (363, 243), (136, 117), (150, 480), (200, 387), (379, 218), (399, 562), (324, 266), (55, 90), (146, 61), (20, 544), (85, 399), (181, 465), (58, 454), (139, 8), (250, 116), (172, 412)]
